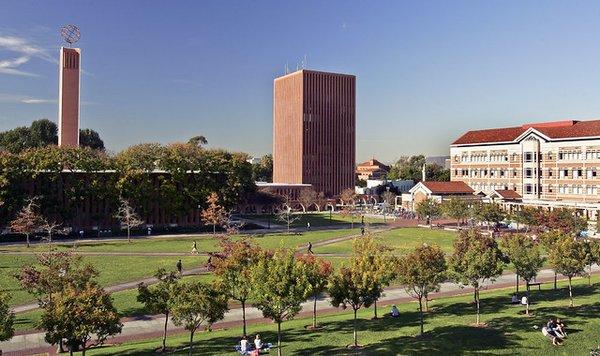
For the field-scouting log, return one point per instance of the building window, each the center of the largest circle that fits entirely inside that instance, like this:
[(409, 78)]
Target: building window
[(528, 157), (528, 173), (528, 188), (550, 173)]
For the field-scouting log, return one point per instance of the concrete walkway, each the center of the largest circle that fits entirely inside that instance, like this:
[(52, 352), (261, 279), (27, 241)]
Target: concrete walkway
[(152, 326)]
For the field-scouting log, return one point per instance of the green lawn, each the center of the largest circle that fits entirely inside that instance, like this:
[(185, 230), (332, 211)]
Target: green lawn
[(204, 243), (449, 329), (316, 219), (113, 270), (401, 240)]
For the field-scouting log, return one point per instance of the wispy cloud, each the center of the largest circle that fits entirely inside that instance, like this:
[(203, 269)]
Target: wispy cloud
[(25, 50), (24, 99)]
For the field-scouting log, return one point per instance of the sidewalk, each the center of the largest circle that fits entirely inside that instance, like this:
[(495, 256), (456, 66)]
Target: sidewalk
[(152, 326)]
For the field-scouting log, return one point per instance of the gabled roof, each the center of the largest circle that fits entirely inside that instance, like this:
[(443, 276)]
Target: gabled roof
[(445, 187), (508, 194), (552, 130)]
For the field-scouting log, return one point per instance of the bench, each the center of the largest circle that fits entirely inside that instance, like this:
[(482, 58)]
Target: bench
[(538, 284)]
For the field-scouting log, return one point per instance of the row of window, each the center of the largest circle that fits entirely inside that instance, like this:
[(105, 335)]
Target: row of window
[(563, 173), (562, 189), (529, 156)]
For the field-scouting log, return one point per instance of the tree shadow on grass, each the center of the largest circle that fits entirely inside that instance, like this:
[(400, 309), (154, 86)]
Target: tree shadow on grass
[(500, 303), (445, 340)]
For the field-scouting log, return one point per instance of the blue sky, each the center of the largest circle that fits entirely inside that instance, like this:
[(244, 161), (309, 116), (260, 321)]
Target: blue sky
[(426, 70)]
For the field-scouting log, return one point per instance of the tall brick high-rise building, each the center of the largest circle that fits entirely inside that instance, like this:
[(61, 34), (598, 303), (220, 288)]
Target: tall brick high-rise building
[(68, 101), (314, 130)]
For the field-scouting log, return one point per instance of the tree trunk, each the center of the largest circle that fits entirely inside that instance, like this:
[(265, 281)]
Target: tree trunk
[(554, 280), (279, 338), (315, 311), (477, 302), (214, 229), (421, 313), (570, 293), (191, 342), (27, 237), (355, 334), (375, 309), (71, 350), (164, 340), (590, 276), (83, 348), (527, 305), (517, 283), (128, 234), (244, 316)]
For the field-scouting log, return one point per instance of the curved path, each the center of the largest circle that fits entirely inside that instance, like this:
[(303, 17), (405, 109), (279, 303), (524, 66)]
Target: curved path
[(151, 280)]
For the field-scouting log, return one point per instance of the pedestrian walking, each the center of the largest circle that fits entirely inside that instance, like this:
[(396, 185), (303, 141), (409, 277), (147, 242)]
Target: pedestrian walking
[(309, 248), (194, 249), (179, 267), (308, 226), (362, 231)]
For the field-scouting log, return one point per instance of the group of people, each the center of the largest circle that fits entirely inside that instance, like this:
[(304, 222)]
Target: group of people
[(556, 330), (246, 348)]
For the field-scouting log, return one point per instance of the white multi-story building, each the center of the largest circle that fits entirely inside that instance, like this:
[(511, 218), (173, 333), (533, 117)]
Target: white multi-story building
[(551, 164)]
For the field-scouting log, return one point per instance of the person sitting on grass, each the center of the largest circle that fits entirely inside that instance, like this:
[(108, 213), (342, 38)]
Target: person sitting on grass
[(514, 299), (395, 312), (551, 331), (561, 329), (244, 345), (258, 343)]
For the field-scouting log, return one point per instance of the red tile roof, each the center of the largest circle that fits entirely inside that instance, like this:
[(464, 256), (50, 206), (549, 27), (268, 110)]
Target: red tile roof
[(448, 187), (373, 163), (554, 130), (508, 194)]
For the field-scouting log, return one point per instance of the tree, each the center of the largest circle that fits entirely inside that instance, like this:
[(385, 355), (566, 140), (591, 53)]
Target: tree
[(348, 198), (198, 141), (564, 220), (592, 255), (128, 217), (347, 287), (491, 213), (193, 304), (44, 133), (263, 170), (7, 318), (527, 216), (428, 209), (307, 198), (286, 215), (54, 272), (377, 264), (548, 239), (51, 228), (156, 298), (525, 256), (455, 208), (567, 256), (389, 200), (27, 221), (317, 272), (421, 273), (280, 286), (233, 267), (215, 214), (76, 314), (476, 258), (90, 138)]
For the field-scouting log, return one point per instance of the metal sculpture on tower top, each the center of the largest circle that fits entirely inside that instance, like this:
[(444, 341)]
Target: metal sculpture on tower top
[(70, 33)]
